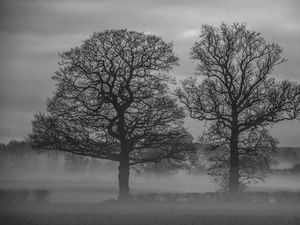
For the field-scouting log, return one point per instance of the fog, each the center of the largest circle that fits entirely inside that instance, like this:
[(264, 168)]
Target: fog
[(77, 179), (99, 183), (84, 195)]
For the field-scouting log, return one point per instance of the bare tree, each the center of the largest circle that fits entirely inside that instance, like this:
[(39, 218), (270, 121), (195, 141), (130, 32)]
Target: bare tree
[(112, 103), (237, 94)]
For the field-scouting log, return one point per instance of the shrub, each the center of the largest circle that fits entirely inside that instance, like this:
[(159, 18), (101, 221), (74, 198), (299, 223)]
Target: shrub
[(221, 197), (24, 195), (40, 195)]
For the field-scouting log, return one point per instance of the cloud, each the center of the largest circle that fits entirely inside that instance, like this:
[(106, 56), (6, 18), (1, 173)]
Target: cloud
[(32, 33), (190, 33)]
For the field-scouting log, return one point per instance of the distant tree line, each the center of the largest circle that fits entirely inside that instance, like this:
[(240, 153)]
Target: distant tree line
[(113, 101), (18, 156), (293, 171)]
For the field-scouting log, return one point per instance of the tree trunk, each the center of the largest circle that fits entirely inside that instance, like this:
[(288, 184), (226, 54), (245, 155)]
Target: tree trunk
[(123, 176), (234, 175), (234, 166)]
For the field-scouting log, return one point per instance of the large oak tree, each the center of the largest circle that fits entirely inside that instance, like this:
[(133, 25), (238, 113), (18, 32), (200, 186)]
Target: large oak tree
[(112, 102), (237, 93)]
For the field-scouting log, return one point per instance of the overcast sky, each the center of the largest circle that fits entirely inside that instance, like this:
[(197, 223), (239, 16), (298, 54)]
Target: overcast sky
[(33, 32)]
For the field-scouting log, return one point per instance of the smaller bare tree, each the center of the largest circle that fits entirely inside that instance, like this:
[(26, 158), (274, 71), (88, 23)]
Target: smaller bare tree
[(237, 94)]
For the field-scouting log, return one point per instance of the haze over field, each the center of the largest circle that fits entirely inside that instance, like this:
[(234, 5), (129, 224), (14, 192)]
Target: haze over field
[(77, 180)]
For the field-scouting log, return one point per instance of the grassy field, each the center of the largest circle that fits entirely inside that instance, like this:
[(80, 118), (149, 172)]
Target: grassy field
[(149, 214)]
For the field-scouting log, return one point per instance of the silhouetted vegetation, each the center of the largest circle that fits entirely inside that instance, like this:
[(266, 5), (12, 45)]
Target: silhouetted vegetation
[(18, 157), (24, 195), (221, 197), (112, 102), (17, 154), (240, 101)]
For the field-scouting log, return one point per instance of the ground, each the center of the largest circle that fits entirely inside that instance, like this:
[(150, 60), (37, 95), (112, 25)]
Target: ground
[(149, 214)]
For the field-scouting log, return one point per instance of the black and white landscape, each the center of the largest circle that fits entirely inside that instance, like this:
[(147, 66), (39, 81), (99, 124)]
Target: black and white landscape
[(150, 112)]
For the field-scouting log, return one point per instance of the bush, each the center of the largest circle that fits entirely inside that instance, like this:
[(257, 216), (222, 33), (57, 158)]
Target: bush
[(14, 195), (221, 197), (40, 195), (24, 195)]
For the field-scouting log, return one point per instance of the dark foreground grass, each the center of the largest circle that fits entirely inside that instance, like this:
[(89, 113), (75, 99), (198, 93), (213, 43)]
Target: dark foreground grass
[(150, 214)]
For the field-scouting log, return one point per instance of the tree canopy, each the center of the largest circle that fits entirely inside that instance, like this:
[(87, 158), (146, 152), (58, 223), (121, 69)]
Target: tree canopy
[(237, 95), (112, 102)]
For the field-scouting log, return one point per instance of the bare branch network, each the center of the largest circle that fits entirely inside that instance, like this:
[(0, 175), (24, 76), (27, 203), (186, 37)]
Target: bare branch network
[(238, 98), (113, 101)]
